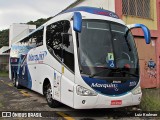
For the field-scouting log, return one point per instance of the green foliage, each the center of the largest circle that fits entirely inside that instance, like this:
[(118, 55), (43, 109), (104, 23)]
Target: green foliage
[(39, 22), (4, 34), (4, 74), (150, 100), (4, 38)]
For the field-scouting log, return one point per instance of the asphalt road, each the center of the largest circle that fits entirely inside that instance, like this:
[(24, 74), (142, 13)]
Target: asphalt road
[(21, 103)]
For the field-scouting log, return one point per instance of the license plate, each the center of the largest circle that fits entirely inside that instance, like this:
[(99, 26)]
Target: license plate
[(116, 102)]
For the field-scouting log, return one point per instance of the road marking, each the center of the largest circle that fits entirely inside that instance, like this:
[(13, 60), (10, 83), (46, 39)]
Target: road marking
[(65, 116), (2, 81), (24, 93), (10, 84)]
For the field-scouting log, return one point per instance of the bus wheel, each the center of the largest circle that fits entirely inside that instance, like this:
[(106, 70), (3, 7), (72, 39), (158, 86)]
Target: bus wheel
[(14, 81), (51, 102)]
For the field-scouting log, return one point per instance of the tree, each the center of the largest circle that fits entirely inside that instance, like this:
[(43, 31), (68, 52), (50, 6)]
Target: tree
[(4, 38), (39, 22)]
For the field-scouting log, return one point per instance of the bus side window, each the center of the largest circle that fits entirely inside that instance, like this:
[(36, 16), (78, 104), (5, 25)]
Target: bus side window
[(37, 38), (54, 39), (68, 48)]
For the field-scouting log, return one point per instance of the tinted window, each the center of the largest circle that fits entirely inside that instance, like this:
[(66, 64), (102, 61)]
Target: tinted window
[(54, 39), (105, 49), (68, 49), (59, 42), (37, 37)]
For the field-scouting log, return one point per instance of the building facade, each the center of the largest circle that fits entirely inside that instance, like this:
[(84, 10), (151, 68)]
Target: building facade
[(145, 12), (138, 11), (18, 31)]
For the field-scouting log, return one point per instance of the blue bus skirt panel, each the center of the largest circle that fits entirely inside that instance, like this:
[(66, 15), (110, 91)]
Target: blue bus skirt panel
[(25, 78), (22, 73)]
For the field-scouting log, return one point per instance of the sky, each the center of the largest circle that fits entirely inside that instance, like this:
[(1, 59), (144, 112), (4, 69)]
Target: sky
[(23, 11)]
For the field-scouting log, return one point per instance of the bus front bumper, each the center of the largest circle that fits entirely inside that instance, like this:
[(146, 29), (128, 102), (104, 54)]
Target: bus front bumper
[(102, 101)]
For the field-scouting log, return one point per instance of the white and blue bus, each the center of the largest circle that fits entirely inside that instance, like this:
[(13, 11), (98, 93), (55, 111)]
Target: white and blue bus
[(84, 57)]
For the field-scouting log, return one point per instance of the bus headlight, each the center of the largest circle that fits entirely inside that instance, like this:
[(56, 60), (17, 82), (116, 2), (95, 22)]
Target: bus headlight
[(137, 90), (85, 92)]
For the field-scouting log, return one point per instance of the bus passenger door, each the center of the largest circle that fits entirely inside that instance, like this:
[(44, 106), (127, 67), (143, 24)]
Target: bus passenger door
[(67, 81), (67, 87), (60, 45)]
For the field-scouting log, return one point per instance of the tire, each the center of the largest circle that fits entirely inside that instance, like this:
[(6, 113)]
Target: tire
[(14, 81), (51, 102)]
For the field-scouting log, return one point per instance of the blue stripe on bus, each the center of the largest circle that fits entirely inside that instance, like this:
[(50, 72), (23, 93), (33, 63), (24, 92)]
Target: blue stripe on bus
[(93, 10), (111, 89)]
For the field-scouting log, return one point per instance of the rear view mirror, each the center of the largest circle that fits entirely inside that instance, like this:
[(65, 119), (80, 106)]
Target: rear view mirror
[(77, 22), (146, 31)]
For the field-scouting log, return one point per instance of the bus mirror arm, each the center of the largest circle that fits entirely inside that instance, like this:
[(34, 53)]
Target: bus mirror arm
[(145, 30)]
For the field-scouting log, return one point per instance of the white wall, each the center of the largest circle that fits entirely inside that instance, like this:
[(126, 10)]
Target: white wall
[(3, 49), (17, 31), (105, 4)]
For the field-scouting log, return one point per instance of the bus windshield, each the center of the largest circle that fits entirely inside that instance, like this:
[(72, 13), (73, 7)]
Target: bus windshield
[(107, 49)]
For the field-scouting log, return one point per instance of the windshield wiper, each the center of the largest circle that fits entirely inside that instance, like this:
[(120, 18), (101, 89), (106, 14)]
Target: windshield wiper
[(92, 75), (120, 71), (129, 73)]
